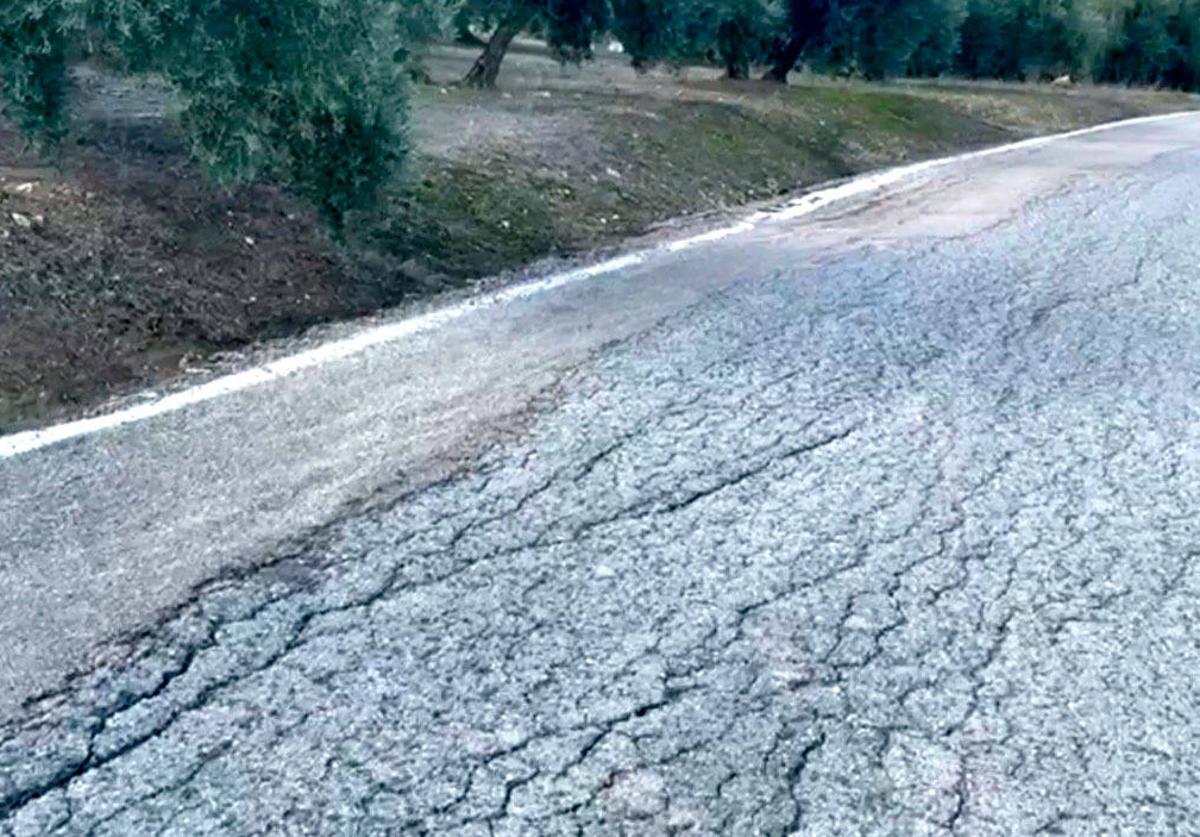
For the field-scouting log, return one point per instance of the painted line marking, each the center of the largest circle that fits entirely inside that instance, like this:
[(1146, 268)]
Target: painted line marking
[(32, 440)]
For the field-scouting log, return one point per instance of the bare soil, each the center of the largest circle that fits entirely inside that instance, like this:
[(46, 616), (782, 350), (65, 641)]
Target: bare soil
[(121, 264)]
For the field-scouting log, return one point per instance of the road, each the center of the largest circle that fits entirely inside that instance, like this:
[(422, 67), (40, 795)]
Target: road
[(883, 521)]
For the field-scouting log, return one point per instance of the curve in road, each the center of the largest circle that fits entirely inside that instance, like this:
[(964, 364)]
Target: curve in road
[(883, 523)]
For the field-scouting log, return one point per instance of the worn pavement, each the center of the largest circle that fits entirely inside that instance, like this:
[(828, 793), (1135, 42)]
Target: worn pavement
[(882, 522)]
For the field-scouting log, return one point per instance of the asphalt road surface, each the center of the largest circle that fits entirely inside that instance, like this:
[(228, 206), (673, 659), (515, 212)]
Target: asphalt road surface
[(886, 521)]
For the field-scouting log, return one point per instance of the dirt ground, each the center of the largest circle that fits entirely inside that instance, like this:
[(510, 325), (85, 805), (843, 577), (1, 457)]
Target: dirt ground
[(122, 265)]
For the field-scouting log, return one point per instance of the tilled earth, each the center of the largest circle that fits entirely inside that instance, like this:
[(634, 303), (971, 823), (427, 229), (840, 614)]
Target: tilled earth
[(905, 543)]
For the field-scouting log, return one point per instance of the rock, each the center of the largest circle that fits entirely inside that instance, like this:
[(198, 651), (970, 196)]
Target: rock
[(1064, 81), (22, 221)]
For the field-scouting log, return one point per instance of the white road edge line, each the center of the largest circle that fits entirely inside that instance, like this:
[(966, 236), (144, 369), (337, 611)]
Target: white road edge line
[(32, 440)]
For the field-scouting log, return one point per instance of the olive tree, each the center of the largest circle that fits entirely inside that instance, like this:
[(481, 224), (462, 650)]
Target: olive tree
[(570, 27), (732, 33), (807, 21), (308, 92)]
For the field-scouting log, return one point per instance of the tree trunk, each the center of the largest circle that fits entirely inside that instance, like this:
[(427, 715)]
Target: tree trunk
[(807, 20), (785, 61), (732, 47), (487, 67), (737, 69)]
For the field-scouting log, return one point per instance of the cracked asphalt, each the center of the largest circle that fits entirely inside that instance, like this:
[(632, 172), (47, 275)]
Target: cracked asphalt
[(885, 523)]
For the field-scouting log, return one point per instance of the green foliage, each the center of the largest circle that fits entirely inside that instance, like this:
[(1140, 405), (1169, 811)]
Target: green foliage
[(486, 13), (572, 25), (1132, 41), (740, 32), (1158, 42), (1124, 41), (34, 42), (1135, 41), (306, 90), (732, 33), (569, 27), (879, 38), (650, 30), (420, 21), (310, 92), (1031, 38)]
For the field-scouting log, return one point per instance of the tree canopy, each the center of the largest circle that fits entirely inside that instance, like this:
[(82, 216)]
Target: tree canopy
[(1122, 41), (307, 91)]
